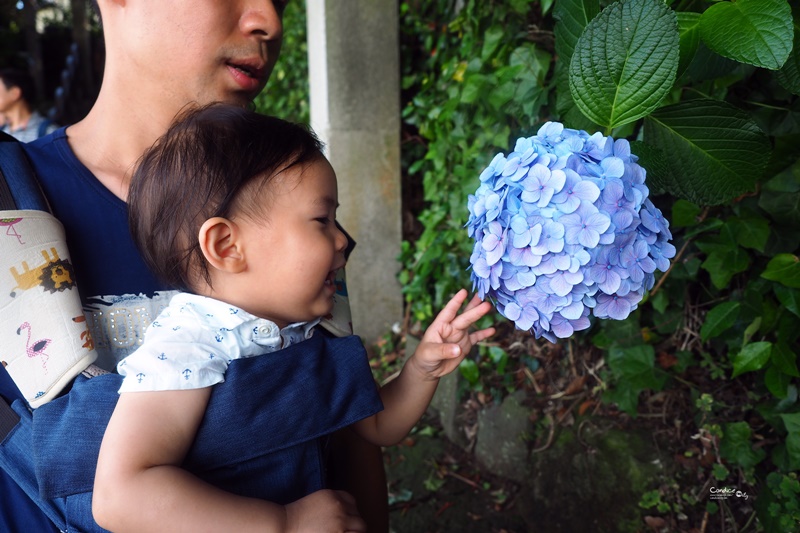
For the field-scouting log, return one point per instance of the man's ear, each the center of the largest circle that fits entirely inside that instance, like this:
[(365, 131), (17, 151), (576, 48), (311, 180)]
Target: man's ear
[(220, 243)]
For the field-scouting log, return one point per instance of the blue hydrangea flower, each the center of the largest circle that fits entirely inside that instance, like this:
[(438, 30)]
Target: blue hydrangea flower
[(564, 230)]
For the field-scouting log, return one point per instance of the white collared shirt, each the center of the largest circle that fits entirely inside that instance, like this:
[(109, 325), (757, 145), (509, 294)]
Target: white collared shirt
[(191, 343)]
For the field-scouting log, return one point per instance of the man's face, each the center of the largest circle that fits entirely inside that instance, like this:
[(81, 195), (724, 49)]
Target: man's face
[(202, 50)]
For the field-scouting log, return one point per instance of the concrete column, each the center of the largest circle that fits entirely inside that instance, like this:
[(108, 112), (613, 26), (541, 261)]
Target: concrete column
[(353, 50)]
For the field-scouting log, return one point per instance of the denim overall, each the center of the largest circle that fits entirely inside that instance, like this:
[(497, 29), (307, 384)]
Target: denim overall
[(262, 436)]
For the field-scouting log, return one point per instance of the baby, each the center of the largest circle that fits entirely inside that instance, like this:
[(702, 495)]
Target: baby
[(238, 210)]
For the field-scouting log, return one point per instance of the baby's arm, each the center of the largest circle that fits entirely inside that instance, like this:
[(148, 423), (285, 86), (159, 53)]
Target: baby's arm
[(140, 485), (443, 346)]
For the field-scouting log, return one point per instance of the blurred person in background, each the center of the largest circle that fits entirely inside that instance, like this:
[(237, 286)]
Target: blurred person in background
[(18, 114)]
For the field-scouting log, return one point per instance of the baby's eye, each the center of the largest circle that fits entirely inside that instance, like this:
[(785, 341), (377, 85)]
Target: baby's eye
[(323, 220)]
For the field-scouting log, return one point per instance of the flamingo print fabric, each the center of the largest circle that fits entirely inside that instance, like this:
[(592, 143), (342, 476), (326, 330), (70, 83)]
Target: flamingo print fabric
[(44, 341)]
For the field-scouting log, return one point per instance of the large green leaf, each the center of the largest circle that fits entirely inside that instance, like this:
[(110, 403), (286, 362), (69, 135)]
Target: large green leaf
[(571, 16), (756, 32), (689, 27), (789, 75), (717, 152), (625, 62)]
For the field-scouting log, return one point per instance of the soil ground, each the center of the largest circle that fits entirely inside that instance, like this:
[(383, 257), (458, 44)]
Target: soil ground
[(436, 487)]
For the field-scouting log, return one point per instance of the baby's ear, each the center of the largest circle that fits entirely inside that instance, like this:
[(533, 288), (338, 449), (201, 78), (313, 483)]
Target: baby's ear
[(220, 243)]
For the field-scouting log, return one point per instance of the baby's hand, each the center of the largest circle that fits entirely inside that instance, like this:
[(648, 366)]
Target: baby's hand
[(324, 510), (448, 340)]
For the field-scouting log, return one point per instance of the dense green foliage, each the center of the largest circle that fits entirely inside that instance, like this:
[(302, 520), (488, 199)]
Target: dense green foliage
[(708, 93), (286, 95)]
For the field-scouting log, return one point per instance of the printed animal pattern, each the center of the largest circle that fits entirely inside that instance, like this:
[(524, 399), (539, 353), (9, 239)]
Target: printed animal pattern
[(11, 230), (86, 335), (35, 348), (53, 274), (44, 336)]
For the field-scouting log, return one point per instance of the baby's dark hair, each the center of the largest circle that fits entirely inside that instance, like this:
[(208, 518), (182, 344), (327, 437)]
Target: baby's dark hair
[(198, 170)]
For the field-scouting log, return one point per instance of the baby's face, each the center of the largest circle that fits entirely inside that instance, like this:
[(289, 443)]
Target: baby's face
[(293, 256)]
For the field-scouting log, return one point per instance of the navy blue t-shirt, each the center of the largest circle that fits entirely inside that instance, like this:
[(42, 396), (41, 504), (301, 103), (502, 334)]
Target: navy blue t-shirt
[(119, 294), (104, 257)]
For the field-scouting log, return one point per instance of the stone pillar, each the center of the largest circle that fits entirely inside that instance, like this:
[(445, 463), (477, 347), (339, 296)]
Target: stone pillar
[(354, 74)]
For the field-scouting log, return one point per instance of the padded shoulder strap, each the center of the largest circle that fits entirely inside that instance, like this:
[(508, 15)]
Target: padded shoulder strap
[(18, 186)]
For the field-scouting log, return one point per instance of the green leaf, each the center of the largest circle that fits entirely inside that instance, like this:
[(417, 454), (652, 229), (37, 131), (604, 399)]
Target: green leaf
[(784, 151), (684, 214), (625, 62), (781, 194), (656, 164), (469, 370), (571, 16), (792, 423), (719, 319), (789, 75), (736, 446), (752, 357), (500, 96), (756, 32), (722, 265), (785, 269), (660, 301), (535, 61), (720, 472), (626, 398), (635, 367), (473, 88), (785, 360), (777, 382), (708, 65), (689, 28), (789, 298), (717, 151), (751, 232), (492, 39)]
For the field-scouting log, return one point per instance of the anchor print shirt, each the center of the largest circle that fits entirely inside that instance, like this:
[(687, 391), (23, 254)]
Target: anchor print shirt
[(189, 345)]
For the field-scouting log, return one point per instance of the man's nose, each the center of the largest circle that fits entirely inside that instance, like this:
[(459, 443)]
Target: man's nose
[(262, 18)]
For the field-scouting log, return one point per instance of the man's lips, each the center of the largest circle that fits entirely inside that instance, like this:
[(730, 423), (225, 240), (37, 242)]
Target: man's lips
[(249, 75)]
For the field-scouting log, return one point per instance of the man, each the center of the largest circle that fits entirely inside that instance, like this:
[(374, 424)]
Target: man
[(161, 56), (19, 116)]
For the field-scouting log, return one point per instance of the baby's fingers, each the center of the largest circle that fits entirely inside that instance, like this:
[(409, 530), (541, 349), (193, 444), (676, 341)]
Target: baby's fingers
[(478, 336), (475, 302), (471, 315), (450, 310)]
